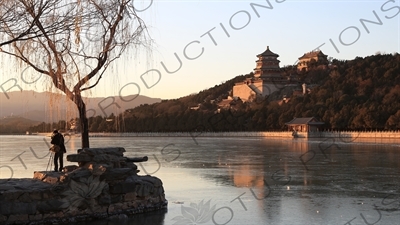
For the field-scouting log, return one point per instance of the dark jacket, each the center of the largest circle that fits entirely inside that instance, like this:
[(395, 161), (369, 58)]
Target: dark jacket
[(58, 139)]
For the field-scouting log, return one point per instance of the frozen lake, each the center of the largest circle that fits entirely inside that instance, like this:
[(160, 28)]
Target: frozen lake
[(247, 180)]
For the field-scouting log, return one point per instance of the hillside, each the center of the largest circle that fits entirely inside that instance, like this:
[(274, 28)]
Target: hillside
[(15, 124), (358, 94), (49, 107)]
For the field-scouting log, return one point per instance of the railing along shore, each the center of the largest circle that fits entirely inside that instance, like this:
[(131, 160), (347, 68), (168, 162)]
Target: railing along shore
[(283, 134)]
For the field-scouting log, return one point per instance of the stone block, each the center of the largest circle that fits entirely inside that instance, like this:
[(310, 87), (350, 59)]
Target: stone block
[(161, 190), (48, 216), (162, 198), (69, 168), (13, 208), (11, 196), (111, 209), (36, 217), (129, 165), (153, 180), (132, 178), (3, 219), (51, 205), (155, 199), (39, 175), (116, 199), (96, 208), (4, 187), (104, 158), (79, 158), (117, 151), (5, 208), (144, 190), (118, 205), (15, 218), (117, 173), (46, 195), (104, 200), (25, 197), (122, 188), (57, 190), (78, 173), (130, 197), (51, 180), (60, 214), (35, 195), (125, 206), (64, 178), (134, 204)]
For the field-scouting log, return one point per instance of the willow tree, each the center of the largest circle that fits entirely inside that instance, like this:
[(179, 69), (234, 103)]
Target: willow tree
[(72, 42)]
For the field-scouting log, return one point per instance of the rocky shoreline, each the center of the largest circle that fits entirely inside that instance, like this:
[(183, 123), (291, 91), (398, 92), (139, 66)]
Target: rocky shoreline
[(103, 185)]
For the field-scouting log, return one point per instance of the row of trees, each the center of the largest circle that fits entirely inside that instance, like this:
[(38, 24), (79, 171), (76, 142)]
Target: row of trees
[(360, 94)]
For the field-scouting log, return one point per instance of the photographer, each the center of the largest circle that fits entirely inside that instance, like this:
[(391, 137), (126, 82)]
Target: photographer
[(58, 139)]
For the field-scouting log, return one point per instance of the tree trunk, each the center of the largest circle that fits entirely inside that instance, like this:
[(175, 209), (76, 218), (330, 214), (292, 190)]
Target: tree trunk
[(83, 120)]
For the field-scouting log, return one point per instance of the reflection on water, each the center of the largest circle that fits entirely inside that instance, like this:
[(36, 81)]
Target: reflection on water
[(251, 180)]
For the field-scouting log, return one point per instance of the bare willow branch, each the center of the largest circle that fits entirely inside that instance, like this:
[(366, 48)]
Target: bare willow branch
[(73, 42)]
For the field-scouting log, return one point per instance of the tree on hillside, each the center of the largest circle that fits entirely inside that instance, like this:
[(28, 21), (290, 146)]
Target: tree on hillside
[(72, 42)]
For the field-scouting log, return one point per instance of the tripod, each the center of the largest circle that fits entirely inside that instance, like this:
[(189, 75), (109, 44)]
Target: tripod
[(50, 161)]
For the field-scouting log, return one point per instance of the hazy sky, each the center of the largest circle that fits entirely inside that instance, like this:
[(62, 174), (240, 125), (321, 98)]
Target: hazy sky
[(218, 40)]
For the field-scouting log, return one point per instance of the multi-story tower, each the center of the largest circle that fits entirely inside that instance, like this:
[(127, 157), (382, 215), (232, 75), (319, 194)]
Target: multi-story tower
[(267, 66), (267, 78)]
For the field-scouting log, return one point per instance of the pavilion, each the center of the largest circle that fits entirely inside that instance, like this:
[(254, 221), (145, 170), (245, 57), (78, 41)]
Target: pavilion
[(306, 124)]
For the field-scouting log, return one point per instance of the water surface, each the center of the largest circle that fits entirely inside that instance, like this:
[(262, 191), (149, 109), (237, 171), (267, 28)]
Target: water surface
[(247, 180)]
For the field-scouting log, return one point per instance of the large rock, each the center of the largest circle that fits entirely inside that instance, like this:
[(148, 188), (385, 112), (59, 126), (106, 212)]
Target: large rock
[(118, 151), (51, 205), (108, 159), (25, 185), (69, 168), (123, 187), (79, 158), (118, 173), (10, 207), (104, 184), (152, 180), (17, 218)]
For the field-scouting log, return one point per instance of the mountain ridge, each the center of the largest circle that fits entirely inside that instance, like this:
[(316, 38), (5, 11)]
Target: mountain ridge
[(52, 107)]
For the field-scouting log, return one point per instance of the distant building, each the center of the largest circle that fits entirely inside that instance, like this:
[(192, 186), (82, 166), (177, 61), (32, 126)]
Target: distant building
[(267, 78), (306, 124), (318, 56)]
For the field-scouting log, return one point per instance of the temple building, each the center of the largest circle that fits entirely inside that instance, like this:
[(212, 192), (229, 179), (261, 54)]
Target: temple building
[(267, 78), (304, 60), (267, 66)]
